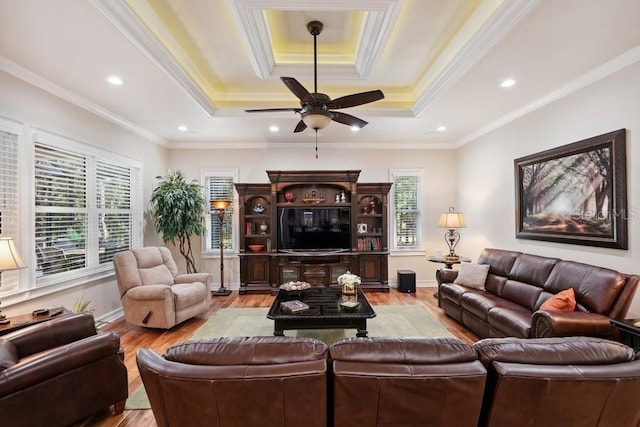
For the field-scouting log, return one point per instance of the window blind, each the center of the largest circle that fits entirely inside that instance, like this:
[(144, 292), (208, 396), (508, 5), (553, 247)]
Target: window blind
[(407, 207), (8, 199), (221, 187)]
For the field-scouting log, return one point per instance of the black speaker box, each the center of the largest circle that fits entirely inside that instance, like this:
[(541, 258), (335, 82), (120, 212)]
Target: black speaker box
[(406, 281)]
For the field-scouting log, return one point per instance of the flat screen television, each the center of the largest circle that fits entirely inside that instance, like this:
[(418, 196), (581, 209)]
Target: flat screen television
[(314, 228)]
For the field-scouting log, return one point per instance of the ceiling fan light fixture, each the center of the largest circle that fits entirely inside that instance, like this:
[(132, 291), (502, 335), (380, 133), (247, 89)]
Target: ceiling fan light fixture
[(316, 120)]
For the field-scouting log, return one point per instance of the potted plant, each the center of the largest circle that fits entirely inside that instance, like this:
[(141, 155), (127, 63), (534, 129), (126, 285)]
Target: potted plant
[(179, 210)]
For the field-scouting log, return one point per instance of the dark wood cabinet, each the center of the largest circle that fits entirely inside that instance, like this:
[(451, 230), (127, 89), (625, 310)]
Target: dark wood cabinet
[(313, 226)]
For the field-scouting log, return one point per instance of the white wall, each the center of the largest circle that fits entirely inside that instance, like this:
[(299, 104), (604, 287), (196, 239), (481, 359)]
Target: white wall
[(28, 104), (486, 189), (439, 190)]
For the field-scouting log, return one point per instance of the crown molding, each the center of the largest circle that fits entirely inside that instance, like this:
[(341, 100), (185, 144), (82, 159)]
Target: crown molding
[(38, 81), (616, 64), (124, 19), (377, 25), (444, 74)]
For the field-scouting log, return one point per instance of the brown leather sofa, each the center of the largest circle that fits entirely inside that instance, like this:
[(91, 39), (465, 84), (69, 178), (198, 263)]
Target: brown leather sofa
[(238, 382), (58, 372), (570, 381), (406, 382), (392, 381), (518, 284)]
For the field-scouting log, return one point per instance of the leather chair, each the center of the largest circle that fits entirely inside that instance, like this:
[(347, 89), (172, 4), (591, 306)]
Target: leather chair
[(391, 381), (572, 381), (152, 292), (238, 382), (60, 371)]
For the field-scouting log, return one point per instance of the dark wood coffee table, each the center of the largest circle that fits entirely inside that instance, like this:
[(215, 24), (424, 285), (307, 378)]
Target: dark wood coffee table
[(325, 311)]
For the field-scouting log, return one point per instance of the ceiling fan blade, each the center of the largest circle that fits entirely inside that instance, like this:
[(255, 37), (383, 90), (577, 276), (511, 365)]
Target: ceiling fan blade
[(356, 99), (348, 119), (266, 110), (300, 127), (298, 90)]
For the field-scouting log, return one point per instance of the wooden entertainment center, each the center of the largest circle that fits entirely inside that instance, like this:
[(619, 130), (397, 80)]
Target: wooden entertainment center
[(313, 226)]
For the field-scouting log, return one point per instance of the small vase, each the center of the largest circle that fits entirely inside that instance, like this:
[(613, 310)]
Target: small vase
[(264, 227)]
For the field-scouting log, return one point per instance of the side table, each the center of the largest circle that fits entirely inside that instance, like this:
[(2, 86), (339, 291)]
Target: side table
[(629, 332), (24, 320), (448, 264)]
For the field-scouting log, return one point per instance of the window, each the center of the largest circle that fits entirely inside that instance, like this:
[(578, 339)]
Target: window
[(218, 184), (406, 197), (9, 194), (87, 207)]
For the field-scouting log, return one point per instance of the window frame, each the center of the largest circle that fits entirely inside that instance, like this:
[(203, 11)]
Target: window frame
[(205, 174), (30, 286), (418, 246)]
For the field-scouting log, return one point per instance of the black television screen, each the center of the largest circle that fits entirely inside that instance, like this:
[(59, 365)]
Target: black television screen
[(314, 228)]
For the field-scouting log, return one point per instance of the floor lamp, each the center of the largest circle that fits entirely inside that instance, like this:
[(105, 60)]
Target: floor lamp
[(219, 207), (9, 260)]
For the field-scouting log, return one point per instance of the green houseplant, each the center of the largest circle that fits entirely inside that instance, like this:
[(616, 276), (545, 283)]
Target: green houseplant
[(179, 210)]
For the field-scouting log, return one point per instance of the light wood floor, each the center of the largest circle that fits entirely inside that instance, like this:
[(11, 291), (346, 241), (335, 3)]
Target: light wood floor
[(134, 337)]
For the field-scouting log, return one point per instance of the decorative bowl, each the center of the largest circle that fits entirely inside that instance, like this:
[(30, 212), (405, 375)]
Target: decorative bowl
[(296, 286), (258, 208), (256, 248)]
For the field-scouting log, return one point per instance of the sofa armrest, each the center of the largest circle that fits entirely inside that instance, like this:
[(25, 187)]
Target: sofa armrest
[(445, 275), (53, 333), (545, 324), (149, 292), (205, 278), (48, 364)]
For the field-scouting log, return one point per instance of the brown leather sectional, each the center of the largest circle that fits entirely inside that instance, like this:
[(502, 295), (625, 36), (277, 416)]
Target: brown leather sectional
[(58, 372), (518, 284), (391, 381)]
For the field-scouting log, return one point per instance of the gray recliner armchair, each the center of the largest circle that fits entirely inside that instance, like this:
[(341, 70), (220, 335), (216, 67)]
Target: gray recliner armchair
[(152, 291)]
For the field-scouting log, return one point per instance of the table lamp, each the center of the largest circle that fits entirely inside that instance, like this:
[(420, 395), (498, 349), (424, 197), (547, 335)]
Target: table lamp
[(9, 260), (219, 207), (452, 220)]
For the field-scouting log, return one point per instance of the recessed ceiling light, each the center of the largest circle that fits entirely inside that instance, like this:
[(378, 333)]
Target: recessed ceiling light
[(115, 80), (441, 128), (183, 128), (274, 128), (355, 128), (507, 83)]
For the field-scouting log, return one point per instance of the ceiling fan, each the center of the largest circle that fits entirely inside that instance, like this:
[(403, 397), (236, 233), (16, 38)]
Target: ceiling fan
[(316, 109)]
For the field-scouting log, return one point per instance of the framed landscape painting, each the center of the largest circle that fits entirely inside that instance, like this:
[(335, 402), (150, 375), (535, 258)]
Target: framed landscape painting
[(575, 194)]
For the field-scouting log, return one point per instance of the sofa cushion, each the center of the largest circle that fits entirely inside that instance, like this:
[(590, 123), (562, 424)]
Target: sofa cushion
[(512, 321), (553, 351), (187, 294), (479, 303), (501, 261), (453, 292), (532, 269), (562, 301), (8, 354), (521, 293), (472, 275), (595, 287), (403, 350), (247, 351)]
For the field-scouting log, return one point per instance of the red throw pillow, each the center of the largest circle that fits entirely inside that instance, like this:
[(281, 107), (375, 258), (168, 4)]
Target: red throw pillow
[(562, 301)]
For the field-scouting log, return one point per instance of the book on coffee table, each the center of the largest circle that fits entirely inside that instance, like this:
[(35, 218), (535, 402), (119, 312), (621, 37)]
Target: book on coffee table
[(294, 306)]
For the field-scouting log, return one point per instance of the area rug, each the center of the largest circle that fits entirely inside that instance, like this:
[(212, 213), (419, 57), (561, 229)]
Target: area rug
[(391, 320)]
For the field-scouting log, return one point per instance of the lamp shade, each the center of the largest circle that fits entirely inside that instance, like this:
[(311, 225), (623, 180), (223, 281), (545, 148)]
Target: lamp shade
[(451, 219), (316, 120), (9, 257), (220, 204)]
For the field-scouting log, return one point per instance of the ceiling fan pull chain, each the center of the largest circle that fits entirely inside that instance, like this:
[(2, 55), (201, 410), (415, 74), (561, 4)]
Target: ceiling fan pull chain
[(316, 143)]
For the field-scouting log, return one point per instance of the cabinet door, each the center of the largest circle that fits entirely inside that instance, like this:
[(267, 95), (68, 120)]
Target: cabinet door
[(289, 274), (257, 268), (316, 275)]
